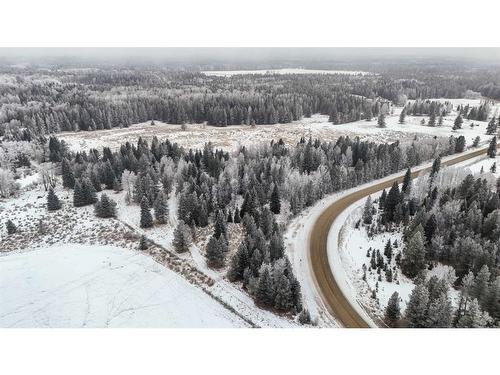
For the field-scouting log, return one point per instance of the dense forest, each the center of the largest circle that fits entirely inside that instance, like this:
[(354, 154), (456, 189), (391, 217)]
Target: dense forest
[(36, 101), (449, 219)]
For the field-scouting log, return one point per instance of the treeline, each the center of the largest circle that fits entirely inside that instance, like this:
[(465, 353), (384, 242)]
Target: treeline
[(38, 103), (428, 107), (479, 113)]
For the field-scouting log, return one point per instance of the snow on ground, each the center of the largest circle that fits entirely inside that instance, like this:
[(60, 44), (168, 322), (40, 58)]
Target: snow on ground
[(348, 246), (101, 286), (297, 238), (226, 292), (229, 73), (317, 126), (80, 226)]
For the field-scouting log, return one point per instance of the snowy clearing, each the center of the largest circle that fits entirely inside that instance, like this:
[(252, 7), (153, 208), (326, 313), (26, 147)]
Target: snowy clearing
[(229, 73), (101, 286), (317, 126)]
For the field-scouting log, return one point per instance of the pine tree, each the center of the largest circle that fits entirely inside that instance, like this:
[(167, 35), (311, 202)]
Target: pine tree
[(283, 296), (473, 317), (146, 218), (381, 121), (458, 123), (406, 188), (215, 253), (237, 218), (160, 207), (68, 177), (414, 255), (388, 250), (368, 211), (432, 119), (492, 127), (78, 198), (392, 311), (416, 309), (492, 149), (105, 208), (275, 204), (88, 192), (182, 238), (53, 202), (11, 227), (264, 294), (476, 141), (402, 116), (220, 228), (440, 312)]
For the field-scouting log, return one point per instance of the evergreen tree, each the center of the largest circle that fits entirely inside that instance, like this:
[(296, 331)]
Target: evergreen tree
[(11, 227), (440, 312), (283, 296), (458, 123), (492, 149), (88, 192), (275, 204), (237, 218), (492, 127), (388, 250), (406, 188), (402, 116), (146, 218), (215, 252), (182, 238), (381, 121), (368, 211), (53, 202), (220, 228), (473, 317), (416, 309), (78, 197), (68, 177), (105, 208), (393, 310), (160, 207), (414, 256), (264, 294)]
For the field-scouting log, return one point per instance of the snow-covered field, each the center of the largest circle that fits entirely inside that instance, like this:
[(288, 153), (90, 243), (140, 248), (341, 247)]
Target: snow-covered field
[(101, 286), (317, 126), (79, 227), (229, 73)]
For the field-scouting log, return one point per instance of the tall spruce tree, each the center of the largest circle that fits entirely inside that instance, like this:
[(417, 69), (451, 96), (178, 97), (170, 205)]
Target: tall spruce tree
[(215, 252), (105, 207), (68, 177), (414, 255), (275, 204), (492, 148), (160, 207), (182, 238), (53, 202), (393, 310), (146, 218)]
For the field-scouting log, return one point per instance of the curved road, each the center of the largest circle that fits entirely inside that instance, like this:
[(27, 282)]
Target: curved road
[(337, 303)]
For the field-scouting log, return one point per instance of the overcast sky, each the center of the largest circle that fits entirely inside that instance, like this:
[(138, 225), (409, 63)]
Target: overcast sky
[(239, 54)]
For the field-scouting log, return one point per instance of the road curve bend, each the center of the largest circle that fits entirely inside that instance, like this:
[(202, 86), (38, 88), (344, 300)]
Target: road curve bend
[(334, 299)]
